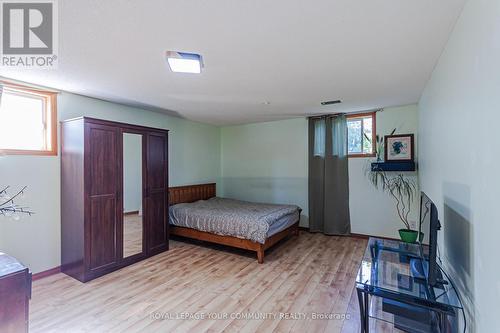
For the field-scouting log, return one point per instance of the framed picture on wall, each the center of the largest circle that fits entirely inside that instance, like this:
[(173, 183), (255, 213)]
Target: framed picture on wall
[(399, 148)]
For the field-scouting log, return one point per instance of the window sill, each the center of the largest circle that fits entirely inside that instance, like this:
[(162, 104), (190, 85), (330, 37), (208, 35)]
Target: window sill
[(361, 155), (28, 152)]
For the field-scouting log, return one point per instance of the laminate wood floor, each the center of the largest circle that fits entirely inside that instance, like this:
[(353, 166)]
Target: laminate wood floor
[(132, 234), (310, 274)]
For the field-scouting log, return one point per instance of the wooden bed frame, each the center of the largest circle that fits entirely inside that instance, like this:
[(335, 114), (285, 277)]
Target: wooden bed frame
[(191, 193)]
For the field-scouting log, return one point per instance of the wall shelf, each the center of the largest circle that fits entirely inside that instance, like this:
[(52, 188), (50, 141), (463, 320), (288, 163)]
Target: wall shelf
[(393, 166)]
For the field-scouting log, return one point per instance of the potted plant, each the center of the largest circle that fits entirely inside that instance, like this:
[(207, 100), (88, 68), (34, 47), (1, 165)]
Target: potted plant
[(402, 190), (379, 145)]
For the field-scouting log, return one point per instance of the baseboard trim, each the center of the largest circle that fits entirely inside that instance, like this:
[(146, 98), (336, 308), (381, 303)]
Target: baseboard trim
[(44, 274), (55, 270), (355, 235), (364, 236)]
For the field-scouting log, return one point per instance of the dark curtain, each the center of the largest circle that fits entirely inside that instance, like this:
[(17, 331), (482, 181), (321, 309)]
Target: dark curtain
[(328, 176)]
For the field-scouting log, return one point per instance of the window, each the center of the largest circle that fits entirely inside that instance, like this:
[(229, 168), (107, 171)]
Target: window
[(28, 121), (361, 135)]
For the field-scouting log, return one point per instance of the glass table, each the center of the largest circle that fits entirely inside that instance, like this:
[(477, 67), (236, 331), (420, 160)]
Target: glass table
[(391, 289)]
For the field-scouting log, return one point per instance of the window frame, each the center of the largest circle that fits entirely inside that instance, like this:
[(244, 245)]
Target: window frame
[(50, 111), (371, 114)]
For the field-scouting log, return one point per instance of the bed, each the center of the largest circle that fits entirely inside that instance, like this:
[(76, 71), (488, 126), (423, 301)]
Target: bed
[(196, 212)]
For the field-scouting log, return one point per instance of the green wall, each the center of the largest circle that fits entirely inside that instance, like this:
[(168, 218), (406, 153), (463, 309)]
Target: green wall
[(459, 159), (263, 162), (372, 211), (194, 153), (266, 162)]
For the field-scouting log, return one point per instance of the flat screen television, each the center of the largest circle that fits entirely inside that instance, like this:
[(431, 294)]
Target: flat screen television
[(429, 219)]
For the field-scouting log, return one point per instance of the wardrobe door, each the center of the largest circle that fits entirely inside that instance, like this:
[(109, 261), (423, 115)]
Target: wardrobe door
[(157, 192), (102, 188)]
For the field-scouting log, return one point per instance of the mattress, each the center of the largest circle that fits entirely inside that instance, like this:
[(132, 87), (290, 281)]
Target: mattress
[(283, 223), (229, 217)]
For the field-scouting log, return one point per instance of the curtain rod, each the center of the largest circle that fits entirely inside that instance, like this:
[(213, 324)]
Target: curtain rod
[(345, 113)]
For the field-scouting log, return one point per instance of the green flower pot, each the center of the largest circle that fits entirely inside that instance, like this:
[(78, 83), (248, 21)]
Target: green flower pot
[(408, 236)]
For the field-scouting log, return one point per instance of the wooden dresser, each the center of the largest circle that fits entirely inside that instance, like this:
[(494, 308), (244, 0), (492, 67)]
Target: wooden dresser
[(15, 293)]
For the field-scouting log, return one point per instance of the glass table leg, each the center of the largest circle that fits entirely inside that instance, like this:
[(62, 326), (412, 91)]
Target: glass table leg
[(363, 310), (366, 309)]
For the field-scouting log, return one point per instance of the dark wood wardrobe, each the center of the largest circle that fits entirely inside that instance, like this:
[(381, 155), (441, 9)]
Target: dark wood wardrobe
[(114, 195)]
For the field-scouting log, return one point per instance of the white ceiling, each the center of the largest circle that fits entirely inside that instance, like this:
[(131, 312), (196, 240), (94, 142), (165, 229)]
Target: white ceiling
[(291, 53)]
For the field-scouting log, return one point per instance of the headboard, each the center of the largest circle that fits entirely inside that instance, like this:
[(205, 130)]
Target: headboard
[(190, 193)]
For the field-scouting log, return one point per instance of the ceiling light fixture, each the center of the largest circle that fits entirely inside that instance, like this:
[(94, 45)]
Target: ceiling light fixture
[(331, 102), (182, 62)]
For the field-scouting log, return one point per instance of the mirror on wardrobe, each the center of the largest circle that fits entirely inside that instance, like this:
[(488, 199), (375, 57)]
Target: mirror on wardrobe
[(132, 194)]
